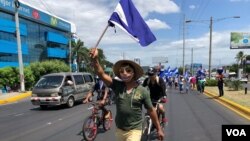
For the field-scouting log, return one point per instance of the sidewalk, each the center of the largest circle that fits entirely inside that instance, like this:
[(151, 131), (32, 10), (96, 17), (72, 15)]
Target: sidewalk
[(6, 98)]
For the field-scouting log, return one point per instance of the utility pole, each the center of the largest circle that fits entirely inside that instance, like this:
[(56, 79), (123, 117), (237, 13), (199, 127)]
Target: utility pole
[(192, 56), (210, 47), (210, 38), (123, 55), (70, 53), (19, 48), (183, 59)]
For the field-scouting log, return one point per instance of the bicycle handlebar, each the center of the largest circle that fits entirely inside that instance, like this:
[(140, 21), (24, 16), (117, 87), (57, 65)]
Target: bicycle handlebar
[(161, 100), (92, 105)]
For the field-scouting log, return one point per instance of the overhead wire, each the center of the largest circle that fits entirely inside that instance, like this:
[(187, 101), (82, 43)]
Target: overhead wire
[(47, 7)]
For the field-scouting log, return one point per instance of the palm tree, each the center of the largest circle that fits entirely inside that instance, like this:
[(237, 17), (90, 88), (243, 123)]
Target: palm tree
[(80, 52), (240, 57), (82, 55)]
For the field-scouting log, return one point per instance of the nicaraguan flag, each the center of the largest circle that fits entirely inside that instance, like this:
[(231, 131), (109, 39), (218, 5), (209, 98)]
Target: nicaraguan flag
[(129, 19)]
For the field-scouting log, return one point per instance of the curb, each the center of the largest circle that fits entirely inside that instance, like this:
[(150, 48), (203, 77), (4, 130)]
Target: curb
[(15, 98), (239, 109)]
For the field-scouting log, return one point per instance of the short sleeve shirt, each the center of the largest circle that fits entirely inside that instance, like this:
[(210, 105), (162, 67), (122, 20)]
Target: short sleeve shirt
[(129, 106)]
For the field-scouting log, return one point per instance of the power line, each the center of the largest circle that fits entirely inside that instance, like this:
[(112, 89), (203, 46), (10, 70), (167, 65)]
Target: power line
[(46, 6)]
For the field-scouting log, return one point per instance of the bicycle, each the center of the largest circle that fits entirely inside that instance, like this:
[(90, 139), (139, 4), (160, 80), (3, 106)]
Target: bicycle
[(92, 122), (147, 125)]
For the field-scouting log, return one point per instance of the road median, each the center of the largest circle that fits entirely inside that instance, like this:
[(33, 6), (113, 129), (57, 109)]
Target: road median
[(239, 109)]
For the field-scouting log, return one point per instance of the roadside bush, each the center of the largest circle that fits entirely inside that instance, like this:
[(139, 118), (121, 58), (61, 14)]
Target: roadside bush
[(10, 75), (51, 66), (29, 78), (235, 85), (211, 82), (227, 82)]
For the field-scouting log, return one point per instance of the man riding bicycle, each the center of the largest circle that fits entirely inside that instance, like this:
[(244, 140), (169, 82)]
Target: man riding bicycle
[(157, 88), (102, 95)]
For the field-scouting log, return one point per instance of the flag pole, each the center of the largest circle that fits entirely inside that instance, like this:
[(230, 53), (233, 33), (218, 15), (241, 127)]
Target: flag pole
[(101, 36)]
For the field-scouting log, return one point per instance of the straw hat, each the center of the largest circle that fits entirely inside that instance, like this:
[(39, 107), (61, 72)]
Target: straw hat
[(138, 71)]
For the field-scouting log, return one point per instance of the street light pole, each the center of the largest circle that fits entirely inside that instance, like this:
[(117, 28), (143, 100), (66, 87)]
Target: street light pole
[(210, 40), (183, 59), (210, 47), (19, 48), (70, 51), (192, 55)]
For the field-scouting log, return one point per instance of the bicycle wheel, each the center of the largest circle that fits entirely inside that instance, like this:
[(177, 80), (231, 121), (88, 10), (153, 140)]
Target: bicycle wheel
[(162, 124), (145, 130), (89, 129), (107, 122)]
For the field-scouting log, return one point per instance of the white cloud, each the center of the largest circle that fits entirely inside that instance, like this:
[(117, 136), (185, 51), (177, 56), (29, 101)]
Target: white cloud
[(192, 7), (158, 6), (157, 24), (91, 16)]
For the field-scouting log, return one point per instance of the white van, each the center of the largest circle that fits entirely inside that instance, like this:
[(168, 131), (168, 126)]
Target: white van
[(61, 88)]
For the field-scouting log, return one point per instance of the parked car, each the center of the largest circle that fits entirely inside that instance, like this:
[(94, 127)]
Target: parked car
[(61, 88)]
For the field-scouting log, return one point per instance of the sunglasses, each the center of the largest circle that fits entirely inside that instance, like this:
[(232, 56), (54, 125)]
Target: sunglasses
[(127, 69)]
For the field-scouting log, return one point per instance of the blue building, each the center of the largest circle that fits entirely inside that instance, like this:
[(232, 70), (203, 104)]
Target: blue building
[(43, 35)]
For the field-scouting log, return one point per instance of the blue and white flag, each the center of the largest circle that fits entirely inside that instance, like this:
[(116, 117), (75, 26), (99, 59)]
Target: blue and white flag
[(129, 19)]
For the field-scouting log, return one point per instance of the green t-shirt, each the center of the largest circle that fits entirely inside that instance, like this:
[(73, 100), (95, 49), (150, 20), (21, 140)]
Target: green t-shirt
[(129, 106)]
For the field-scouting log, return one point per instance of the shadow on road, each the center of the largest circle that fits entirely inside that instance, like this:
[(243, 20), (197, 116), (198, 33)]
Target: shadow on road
[(53, 108), (100, 131), (213, 97)]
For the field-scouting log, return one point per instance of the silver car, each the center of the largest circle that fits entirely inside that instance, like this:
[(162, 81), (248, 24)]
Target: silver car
[(61, 88)]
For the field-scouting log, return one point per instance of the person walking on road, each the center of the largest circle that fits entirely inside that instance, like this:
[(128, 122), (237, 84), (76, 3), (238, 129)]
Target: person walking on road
[(201, 84), (193, 82), (129, 97), (220, 82), (181, 83)]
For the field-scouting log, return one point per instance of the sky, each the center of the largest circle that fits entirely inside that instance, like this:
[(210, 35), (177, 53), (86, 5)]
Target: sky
[(166, 19)]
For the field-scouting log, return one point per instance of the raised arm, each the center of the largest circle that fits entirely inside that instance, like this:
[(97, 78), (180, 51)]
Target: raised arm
[(98, 68)]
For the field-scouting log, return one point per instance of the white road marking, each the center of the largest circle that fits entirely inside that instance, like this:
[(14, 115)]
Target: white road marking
[(19, 114)]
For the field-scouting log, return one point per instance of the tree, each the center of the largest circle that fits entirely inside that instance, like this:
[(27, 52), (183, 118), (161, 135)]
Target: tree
[(80, 52), (239, 58), (82, 56), (233, 68), (49, 66)]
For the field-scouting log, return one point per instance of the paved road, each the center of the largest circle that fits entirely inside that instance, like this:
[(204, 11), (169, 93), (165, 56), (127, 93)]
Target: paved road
[(196, 117), (192, 117)]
